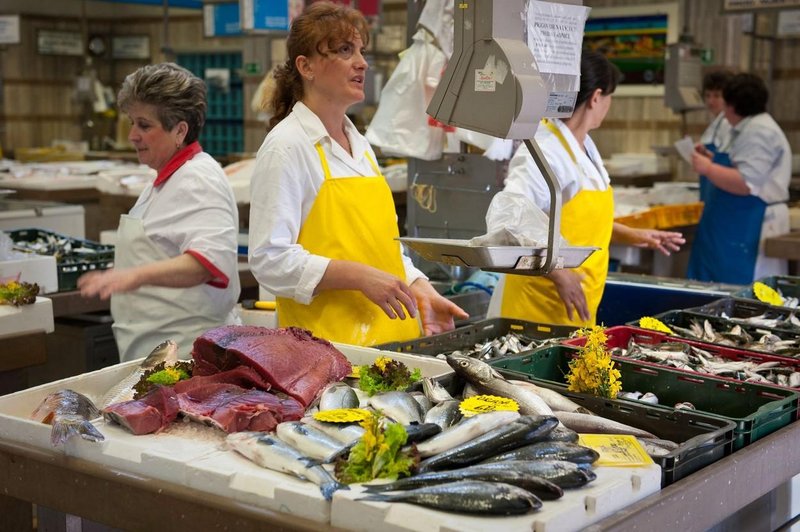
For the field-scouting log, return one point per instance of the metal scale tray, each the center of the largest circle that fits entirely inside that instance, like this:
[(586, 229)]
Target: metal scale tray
[(519, 260)]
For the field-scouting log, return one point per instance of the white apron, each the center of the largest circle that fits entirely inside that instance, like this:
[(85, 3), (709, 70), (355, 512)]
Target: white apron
[(146, 317), (776, 222)]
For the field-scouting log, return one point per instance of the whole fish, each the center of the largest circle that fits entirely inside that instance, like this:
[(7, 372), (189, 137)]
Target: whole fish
[(423, 402), (434, 391), (400, 406), (550, 450), (561, 473), (269, 452), (166, 351), (69, 412), (586, 424), (487, 380), (467, 496), (544, 489), (422, 432), (445, 414), (522, 431), (338, 395), (348, 434), (554, 400), (466, 430), (311, 441)]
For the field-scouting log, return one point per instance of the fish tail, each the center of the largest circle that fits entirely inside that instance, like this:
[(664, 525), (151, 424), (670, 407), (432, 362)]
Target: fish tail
[(379, 497), (67, 426), (328, 488), (378, 488)]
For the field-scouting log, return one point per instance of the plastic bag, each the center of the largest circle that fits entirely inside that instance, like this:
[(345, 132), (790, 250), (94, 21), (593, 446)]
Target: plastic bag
[(514, 220), (400, 125)]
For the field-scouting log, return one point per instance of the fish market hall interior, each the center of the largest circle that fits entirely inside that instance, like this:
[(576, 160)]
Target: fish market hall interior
[(399, 265)]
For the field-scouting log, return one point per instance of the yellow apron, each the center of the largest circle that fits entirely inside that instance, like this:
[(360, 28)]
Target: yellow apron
[(353, 218), (586, 220)]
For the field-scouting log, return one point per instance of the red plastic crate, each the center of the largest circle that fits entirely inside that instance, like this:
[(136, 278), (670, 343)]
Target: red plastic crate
[(620, 336)]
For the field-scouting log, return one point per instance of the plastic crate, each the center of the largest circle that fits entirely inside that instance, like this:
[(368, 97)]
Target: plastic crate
[(618, 337), (683, 319), (756, 410), (69, 268), (668, 216), (787, 285), (740, 310), (468, 336), (640, 220)]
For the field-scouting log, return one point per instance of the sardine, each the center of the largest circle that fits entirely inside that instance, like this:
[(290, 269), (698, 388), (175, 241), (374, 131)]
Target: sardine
[(348, 434), (526, 429), (466, 430), (487, 380), (166, 351), (467, 496), (544, 489), (70, 413), (338, 395), (550, 450), (445, 414), (311, 441), (434, 391), (270, 452), (561, 473), (399, 406), (583, 423), (554, 400)]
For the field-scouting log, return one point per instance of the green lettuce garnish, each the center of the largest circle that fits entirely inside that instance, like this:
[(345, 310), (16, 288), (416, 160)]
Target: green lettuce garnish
[(378, 454), (386, 375)]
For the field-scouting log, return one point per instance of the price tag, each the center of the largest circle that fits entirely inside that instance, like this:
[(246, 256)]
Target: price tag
[(481, 404), (616, 450), (767, 294), (654, 324), (343, 415)]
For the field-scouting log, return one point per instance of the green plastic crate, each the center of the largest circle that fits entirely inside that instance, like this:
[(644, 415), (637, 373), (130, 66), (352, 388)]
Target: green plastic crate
[(756, 410), (787, 285)]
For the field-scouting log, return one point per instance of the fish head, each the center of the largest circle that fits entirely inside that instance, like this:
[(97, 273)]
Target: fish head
[(166, 351), (472, 369)]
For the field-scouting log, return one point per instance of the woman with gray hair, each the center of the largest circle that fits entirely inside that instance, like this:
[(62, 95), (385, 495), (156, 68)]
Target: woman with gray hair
[(175, 272)]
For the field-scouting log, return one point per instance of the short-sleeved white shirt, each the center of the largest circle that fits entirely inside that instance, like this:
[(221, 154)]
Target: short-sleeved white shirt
[(287, 178), (717, 132), (589, 173), (760, 151), (194, 211)]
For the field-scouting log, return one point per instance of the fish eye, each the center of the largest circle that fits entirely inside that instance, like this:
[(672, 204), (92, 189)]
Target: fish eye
[(464, 363)]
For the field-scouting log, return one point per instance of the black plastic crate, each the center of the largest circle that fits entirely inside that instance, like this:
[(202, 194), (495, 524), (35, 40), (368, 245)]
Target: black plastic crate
[(757, 410), (480, 331), (84, 255), (743, 311), (701, 439)]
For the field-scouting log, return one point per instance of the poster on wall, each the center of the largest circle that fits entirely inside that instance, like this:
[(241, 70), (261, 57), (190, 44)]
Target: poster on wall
[(49, 42), (130, 47), (635, 39), (9, 29), (221, 20)]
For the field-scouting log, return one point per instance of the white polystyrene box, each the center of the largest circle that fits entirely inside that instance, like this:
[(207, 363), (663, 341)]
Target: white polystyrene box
[(31, 268), (613, 489), (37, 317)]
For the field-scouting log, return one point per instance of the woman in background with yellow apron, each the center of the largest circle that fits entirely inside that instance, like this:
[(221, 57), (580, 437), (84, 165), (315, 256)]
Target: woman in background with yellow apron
[(323, 226), (571, 297)]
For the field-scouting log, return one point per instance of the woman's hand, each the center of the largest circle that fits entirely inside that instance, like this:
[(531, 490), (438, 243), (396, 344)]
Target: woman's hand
[(701, 162), (105, 283), (438, 313), (568, 285), (390, 293), (664, 241)]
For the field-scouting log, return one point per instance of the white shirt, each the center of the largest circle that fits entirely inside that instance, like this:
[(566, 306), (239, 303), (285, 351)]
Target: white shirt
[(525, 178), (194, 211), (286, 180), (717, 132), (759, 150)]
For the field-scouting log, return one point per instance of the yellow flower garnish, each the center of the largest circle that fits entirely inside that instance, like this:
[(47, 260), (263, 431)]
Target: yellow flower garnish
[(593, 371), (767, 294), (381, 362), (654, 324)]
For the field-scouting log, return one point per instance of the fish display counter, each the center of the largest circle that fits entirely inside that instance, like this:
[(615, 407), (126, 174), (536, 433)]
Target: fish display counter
[(187, 479)]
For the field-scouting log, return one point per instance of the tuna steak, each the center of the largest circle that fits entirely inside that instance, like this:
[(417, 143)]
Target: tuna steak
[(291, 359), (151, 413)]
